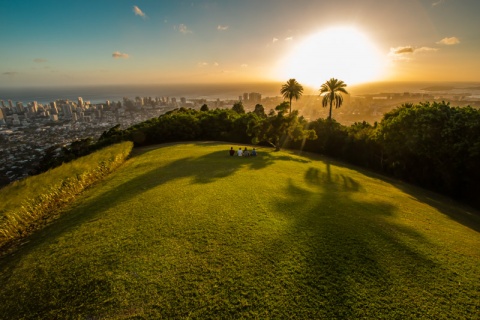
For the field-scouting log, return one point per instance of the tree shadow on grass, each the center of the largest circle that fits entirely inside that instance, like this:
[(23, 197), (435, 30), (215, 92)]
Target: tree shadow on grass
[(355, 261), (201, 170), (459, 212)]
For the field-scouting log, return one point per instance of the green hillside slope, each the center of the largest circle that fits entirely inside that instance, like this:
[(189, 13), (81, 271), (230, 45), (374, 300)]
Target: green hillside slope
[(186, 231)]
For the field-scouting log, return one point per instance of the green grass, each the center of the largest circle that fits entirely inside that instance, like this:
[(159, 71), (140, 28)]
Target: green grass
[(185, 231), (29, 204)]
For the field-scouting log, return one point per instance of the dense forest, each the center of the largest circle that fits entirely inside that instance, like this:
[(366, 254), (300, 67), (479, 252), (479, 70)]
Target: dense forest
[(432, 145)]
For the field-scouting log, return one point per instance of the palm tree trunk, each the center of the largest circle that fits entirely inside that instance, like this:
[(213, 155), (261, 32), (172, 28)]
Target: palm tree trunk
[(330, 113), (290, 105)]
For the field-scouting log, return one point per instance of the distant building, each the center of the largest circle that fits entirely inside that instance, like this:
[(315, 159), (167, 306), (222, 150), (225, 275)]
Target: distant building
[(245, 97), (254, 97), (80, 102), (67, 111), (20, 107)]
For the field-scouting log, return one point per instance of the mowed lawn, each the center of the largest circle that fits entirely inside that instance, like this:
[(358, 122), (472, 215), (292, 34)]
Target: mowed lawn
[(186, 231)]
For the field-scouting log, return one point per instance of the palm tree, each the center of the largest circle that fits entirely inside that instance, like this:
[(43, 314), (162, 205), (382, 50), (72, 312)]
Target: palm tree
[(332, 94), (291, 89)]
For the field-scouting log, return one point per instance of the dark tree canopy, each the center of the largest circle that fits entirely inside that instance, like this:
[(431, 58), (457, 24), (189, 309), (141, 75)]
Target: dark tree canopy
[(238, 107)]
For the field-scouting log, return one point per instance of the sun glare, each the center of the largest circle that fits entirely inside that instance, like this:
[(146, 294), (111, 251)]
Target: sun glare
[(340, 52)]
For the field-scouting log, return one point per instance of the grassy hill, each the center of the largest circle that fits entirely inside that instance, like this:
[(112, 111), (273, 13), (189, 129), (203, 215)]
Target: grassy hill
[(185, 231)]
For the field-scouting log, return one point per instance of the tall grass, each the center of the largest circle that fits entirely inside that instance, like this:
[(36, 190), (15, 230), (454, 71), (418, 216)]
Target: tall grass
[(29, 204)]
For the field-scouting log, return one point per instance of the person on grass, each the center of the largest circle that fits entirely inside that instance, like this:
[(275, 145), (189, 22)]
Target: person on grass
[(232, 152), (239, 152), (254, 152), (246, 153)]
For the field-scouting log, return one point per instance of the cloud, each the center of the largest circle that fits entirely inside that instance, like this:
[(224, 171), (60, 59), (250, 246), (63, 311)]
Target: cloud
[(274, 40), (244, 65), (139, 12), (222, 28), (183, 29), (404, 53), (10, 73), (425, 49), (288, 38), (449, 41), (402, 50), (119, 55), (436, 3), (39, 60), (202, 64), (215, 64)]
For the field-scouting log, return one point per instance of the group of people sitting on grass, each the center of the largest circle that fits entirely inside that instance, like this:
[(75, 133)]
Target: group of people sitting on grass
[(243, 153)]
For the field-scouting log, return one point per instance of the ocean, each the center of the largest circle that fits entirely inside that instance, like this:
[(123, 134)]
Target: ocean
[(101, 93)]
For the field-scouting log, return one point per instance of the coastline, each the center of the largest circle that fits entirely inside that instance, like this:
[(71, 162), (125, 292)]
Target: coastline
[(211, 91)]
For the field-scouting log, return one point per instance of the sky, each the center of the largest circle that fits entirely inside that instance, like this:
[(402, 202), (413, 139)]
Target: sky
[(56, 43)]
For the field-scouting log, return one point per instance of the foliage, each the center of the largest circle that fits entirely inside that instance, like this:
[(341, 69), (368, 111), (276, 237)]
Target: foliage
[(279, 129), (204, 107), (238, 107), (433, 145), (331, 91), (259, 111), (291, 89)]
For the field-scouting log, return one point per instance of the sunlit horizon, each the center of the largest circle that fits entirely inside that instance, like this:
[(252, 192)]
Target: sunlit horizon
[(203, 41)]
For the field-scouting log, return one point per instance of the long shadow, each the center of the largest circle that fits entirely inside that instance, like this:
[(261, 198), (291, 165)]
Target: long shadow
[(353, 256), (206, 169), (459, 212)]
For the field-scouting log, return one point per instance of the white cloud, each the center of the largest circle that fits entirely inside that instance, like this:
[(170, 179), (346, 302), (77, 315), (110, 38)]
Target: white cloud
[(202, 64), (244, 65), (274, 40), (436, 3), (183, 29), (449, 41), (138, 12), (215, 64), (39, 60), (288, 38), (222, 28), (119, 55)]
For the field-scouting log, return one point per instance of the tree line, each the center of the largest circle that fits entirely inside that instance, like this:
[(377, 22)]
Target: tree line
[(432, 145)]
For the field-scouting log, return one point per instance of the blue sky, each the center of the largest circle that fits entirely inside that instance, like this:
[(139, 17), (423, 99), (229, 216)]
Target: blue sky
[(119, 41)]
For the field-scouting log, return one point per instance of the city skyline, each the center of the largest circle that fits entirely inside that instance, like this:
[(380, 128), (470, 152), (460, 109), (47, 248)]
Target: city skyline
[(55, 43)]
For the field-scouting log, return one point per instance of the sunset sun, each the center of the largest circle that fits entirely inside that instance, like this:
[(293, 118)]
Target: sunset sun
[(340, 52)]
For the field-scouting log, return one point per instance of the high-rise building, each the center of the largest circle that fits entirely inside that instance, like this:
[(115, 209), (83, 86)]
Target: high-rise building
[(245, 97), (20, 107), (80, 102), (255, 97), (67, 111), (2, 103), (10, 104)]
